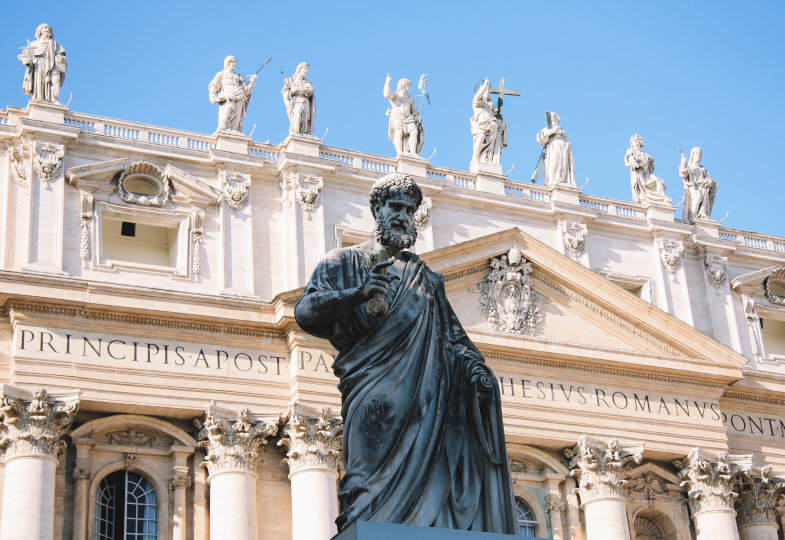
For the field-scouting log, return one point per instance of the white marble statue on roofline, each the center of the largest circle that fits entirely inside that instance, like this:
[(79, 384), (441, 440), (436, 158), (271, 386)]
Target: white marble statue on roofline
[(405, 128), (298, 97), (559, 161), (699, 187), (646, 187), (232, 93), (489, 132), (423, 439), (46, 66)]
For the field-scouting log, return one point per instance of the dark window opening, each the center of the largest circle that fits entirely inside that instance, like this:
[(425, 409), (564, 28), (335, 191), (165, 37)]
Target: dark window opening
[(128, 229)]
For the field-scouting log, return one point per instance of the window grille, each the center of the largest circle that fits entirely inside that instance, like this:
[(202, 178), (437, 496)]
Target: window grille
[(126, 508)]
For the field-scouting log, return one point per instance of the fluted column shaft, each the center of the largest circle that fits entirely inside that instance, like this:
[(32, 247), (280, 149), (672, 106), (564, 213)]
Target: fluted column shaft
[(232, 455), (600, 472), (32, 425), (313, 443)]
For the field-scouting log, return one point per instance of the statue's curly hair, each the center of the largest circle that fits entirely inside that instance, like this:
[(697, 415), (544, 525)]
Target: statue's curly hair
[(402, 182)]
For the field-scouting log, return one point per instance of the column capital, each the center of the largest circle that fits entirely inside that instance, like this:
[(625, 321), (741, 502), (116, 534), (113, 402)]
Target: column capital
[(759, 494), (233, 445), (709, 482), (601, 471), (312, 439), (33, 423)]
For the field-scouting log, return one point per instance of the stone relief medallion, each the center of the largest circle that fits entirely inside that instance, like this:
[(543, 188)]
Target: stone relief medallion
[(774, 285), (506, 297), (671, 254), (144, 184), (423, 213), (18, 157), (574, 238), (235, 190), (130, 437), (309, 191), (48, 158), (716, 268)]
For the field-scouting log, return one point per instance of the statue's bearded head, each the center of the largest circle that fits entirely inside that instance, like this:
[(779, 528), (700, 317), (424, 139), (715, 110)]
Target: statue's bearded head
[(44, 31), (394, 201)]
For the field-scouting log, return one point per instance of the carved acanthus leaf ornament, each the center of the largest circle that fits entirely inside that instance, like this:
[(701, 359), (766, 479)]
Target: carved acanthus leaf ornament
[(601, 472), (234, 445), (312, 442), (35, 427)]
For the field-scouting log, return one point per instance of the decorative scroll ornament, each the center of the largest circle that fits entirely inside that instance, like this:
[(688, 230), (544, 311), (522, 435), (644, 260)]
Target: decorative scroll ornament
[(86, 215), (574, 238), (709, 483), (47, 162), (601, 472), (774, 285), (234, 190), (180, 478), (671, 254), (554, 504), (506, 297), (423, 213), (144, 184), (753, 326), (312, 442), (233, 446), (18, 156), (197, 219), (309, 193), (35, 427), (288, 186), (758, 497), (716, 269)]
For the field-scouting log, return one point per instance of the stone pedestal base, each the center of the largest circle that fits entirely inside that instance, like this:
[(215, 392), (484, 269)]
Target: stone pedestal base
[(230, 142), (411, 165), (46, 112), (305, 145), (370, 530), (485, 167), (660, 211)]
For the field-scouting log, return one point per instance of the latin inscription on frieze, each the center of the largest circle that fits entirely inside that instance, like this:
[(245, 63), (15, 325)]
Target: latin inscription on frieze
[(148, 354)]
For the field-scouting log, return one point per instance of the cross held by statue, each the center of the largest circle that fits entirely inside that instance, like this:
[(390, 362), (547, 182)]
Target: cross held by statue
[(501, 91)]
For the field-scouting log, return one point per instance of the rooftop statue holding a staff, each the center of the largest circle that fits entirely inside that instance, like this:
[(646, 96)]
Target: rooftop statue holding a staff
[(232, 92), (45, 61), (298, 97)]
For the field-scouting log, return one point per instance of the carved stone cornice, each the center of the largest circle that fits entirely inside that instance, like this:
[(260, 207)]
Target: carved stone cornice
[(312, 441), (233, 445), (601, 472), (758, 497), (33, 423), (709, 483)]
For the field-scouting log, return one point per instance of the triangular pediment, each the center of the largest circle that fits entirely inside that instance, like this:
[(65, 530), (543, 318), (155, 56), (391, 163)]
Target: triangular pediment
[(581, 315), (186, 189)]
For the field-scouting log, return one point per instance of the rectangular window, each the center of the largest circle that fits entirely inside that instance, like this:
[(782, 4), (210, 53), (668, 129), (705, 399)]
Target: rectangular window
[(773, 331), (139, 242)]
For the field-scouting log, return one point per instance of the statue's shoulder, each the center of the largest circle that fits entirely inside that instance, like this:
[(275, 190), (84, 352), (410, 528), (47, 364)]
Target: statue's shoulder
[(433, 277)]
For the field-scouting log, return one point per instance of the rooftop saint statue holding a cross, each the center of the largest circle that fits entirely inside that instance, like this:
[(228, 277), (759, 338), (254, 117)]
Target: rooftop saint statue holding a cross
[(45, 62), (489, 129)]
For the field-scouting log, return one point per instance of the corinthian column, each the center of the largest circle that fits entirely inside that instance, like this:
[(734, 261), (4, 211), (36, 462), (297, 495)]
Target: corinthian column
[(757, 511), (32, 425), (313, 443), (232, 449), (710, 494), (601, 479)]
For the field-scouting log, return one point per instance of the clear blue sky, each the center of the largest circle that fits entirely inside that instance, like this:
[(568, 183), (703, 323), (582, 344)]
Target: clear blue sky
[(708, 74)]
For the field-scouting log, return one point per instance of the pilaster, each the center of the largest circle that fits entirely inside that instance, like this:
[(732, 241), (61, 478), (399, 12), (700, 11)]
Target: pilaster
[(303, 216), (313, 443)]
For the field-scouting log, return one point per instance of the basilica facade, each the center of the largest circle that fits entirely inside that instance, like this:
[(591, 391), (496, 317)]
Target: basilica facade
[(156, 384)]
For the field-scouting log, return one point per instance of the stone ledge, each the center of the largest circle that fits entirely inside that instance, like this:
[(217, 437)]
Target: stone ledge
[(371, 530)]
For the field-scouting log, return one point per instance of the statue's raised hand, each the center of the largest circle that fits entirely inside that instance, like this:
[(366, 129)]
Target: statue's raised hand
[(377, 281)]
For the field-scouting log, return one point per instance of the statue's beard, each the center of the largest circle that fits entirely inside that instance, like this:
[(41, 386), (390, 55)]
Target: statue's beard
[(391, 239)]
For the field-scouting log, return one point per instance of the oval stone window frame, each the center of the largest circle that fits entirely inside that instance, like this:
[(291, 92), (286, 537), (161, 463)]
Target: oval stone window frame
[(774, 286), (144, 184)]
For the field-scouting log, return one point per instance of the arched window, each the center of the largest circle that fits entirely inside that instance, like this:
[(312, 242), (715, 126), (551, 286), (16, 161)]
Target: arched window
[(527, 522), (126, 508)]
